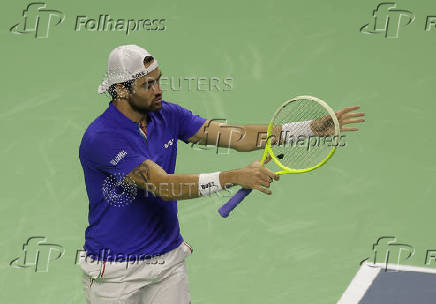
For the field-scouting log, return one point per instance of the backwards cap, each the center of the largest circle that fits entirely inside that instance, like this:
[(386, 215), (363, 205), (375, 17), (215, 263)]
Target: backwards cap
[(125, 63)]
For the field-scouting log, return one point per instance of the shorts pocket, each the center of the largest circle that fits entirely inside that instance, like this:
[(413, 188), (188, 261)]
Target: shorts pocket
[(114, 271), (187, 248), (92, 268)]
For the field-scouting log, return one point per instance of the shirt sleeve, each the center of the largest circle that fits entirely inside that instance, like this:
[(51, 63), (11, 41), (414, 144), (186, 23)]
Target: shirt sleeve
[(111, 153), (189, 123)]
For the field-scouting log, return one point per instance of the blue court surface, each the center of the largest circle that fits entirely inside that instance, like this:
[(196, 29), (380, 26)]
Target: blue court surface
[(391, 284)]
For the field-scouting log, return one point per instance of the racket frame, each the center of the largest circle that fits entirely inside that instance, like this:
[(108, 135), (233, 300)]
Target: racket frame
[(268, 149)]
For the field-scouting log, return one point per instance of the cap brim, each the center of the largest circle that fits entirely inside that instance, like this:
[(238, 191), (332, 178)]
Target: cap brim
[(103, 87)]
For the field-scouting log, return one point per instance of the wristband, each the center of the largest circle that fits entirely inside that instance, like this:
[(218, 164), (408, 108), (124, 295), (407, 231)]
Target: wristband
[(301, 128), (209, 183)]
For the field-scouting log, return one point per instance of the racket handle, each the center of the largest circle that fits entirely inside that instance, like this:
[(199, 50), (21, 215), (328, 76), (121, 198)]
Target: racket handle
[(233, 202)]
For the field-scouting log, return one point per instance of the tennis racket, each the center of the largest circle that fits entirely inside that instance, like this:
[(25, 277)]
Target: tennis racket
[(302, 136)]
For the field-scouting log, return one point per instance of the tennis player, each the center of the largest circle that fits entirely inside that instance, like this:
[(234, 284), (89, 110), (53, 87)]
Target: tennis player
[(134, 250)]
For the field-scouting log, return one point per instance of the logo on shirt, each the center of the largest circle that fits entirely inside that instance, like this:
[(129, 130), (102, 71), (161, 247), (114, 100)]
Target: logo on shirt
[(119, 190), (119, 157), (170, 143)]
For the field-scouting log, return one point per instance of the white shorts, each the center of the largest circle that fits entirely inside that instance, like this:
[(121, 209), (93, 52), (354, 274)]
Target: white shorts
[(160, 280)]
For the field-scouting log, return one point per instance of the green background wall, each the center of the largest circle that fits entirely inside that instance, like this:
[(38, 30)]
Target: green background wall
[(304, 243)]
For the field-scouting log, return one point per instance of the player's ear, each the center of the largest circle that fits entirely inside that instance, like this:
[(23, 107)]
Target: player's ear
[(135, 84), (122, 91)]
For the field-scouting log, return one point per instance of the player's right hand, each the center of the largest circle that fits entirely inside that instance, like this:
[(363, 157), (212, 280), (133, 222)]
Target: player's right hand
[(256, 176)]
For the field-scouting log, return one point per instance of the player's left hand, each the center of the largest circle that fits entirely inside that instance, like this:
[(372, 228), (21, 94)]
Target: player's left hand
[(324, 126)]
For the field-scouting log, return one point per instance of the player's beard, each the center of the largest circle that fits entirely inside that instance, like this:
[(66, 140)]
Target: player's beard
[(141, 109)]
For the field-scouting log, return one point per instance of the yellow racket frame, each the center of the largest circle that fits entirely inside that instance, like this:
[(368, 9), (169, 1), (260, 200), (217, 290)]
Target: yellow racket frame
[(268, 149)]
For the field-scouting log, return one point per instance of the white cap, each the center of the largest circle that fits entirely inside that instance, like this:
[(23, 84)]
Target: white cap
[(125, 62)]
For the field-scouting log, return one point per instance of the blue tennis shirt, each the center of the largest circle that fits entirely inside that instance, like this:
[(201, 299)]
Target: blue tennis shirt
[(126, 224)]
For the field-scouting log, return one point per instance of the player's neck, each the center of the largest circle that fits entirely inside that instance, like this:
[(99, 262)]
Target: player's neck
[(125, 108)]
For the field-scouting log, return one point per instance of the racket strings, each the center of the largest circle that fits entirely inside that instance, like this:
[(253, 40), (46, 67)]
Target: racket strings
[(296, 149)]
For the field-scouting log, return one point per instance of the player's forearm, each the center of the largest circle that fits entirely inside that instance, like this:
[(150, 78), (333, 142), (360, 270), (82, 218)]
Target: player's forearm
[(151, 177), (254, 138), (176, 187), (247, 138), (256, 135), (186, 186)]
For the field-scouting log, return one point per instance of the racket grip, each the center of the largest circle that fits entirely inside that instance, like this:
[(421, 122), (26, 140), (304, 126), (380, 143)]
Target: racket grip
[(233, 202)]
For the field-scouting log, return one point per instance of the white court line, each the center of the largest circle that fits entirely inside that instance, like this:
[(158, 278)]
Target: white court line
[(359, 285)]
